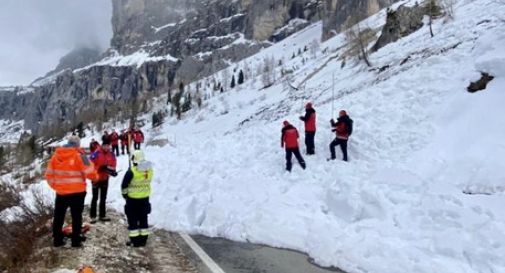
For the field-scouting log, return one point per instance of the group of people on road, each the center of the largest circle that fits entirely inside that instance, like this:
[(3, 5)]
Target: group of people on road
[(66, 174), (133, 135), (289, 138)]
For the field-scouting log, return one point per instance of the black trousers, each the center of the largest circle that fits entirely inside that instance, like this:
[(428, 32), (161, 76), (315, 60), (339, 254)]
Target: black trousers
[(76, 203), (123, 147), (136, 145), (289, 155), (115, 149), (136, 211), (99, 189), (343, 147), (309, 142)]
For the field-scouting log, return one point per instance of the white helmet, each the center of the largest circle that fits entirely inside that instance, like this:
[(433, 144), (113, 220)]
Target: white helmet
[(138, 156)]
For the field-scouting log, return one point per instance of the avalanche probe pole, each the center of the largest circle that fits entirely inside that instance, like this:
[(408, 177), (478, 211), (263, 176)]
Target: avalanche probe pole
[(129, 149), (333, 96)]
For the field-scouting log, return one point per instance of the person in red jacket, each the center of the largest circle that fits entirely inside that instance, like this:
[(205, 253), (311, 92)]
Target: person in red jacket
[(105, 163), (343, 130), (93, 145), (114, 141), (289, 141), (310, 128), (124, 137), (138, 137)]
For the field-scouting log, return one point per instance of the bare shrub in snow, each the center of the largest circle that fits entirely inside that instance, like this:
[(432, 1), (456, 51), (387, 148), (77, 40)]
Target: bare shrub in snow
[(268, 72), (19, 235), (448, 8), (225, 78), (314, 47), (434, 9), (358, 38)]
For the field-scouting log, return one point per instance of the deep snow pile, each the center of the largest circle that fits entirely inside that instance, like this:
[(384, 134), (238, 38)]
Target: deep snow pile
[(420, 141)]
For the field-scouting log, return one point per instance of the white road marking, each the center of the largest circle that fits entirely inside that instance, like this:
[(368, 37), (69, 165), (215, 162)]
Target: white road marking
[(213, 266)]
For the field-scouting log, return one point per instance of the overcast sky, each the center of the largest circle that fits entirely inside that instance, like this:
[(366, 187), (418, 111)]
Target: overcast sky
[(35, 34)]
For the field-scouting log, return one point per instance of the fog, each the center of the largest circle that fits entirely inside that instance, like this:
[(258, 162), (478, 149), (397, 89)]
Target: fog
[(35, 34)]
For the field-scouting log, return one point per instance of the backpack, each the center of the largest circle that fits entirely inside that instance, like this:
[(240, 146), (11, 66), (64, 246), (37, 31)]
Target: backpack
[(349, 126)]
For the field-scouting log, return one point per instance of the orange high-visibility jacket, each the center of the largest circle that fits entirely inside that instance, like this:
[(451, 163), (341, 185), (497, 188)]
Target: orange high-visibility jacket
[(68, 169)]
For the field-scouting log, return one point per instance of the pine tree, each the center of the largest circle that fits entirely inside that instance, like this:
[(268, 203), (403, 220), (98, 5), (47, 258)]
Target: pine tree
[(232, 85), (241, 77)]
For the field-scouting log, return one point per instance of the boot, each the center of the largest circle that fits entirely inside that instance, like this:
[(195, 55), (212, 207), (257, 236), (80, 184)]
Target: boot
[(143, 240)]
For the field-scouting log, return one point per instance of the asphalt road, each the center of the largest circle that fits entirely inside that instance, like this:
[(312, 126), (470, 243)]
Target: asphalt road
[(235, 257)]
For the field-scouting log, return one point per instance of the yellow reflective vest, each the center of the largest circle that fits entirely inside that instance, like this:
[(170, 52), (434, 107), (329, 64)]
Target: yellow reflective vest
[(140, 185)]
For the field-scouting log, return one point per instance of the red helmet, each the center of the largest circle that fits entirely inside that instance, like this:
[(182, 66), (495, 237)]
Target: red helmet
[(285, 123), (308, 105)]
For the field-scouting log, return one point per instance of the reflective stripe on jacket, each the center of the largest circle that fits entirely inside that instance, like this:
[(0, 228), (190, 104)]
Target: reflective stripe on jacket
[(67, 171)]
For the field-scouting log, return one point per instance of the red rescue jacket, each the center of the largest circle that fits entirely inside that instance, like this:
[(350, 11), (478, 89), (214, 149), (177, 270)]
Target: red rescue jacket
[(114, 139), (310, 120), (138, 136), (101, 159), (289, 137)]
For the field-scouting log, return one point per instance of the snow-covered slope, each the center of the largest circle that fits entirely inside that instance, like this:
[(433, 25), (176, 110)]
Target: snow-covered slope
[(420, 141)]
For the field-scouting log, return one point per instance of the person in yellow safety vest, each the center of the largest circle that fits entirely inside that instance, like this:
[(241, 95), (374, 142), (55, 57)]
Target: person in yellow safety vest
[(136, 189)]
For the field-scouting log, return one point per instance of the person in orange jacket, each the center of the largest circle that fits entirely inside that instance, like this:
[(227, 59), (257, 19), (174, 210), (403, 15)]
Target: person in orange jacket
[(105, 163), (66, 174)]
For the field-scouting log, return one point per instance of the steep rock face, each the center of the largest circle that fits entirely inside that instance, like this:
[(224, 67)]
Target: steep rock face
[(91, 94), (339, 11), (206, 34), (136, 23), (400, 23)]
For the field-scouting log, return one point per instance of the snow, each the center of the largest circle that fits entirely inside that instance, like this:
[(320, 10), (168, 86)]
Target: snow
[(228, 19), (158, 29), (135, 59), (420, 141), (11, 131), (292, 24)]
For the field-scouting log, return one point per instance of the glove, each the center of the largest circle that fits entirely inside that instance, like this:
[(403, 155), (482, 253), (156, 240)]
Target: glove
[(111, 172), (103, 169)]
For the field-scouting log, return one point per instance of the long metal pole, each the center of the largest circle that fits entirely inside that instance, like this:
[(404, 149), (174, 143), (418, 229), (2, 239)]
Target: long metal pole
[(333, 96)]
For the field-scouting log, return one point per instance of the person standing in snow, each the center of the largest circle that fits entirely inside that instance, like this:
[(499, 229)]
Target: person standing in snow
[(310, 128), (93, 145), (289, 141), (136, 189), (343, 130), (105, 136), (66, 174), (125, 138), (105, 164), (114, 141), (138, 138)]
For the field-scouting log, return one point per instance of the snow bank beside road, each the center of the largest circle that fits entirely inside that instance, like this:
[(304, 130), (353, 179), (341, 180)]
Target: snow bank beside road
[(420, 140)]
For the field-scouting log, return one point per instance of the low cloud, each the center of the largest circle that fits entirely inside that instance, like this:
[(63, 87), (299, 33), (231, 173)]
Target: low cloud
[(35, 34)]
